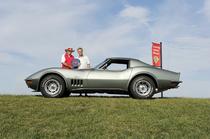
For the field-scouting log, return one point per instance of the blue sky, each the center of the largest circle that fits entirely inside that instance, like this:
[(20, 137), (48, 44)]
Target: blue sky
[(34, 34)]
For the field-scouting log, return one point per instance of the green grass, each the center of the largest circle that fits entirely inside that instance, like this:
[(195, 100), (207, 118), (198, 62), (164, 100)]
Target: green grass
[(35, 117)]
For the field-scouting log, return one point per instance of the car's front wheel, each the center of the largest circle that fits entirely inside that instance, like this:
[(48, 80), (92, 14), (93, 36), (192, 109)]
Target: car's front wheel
[(52, 86), (142, 87)]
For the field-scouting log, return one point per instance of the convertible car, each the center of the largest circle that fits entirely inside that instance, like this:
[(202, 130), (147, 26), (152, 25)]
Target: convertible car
[(114, 75)]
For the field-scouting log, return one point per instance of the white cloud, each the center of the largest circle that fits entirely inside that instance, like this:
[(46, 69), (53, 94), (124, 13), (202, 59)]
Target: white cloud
[(118, 35), (5, 58), (40, 29), (136, 12), (187, 54), (37, 28), (206, 9)]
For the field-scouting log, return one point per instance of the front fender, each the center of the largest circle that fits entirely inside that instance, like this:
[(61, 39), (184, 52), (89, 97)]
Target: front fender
[(38, 76)]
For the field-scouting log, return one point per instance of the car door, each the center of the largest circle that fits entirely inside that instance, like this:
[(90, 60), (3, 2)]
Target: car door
[(108, 78)]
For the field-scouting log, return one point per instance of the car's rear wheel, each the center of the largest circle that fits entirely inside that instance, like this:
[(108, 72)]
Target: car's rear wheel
[(142, 87), (52, 86)]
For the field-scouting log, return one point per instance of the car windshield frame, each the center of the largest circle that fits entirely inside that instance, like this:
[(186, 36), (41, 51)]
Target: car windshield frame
[(100, 65)]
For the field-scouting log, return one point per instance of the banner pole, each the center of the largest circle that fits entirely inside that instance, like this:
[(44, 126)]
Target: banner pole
[(161, 64)]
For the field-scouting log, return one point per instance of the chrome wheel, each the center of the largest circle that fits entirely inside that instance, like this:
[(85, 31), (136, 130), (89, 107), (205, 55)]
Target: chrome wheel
[(52, 87), (143, 87)]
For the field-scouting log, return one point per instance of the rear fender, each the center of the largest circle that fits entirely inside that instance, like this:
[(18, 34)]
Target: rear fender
[(144, 74)]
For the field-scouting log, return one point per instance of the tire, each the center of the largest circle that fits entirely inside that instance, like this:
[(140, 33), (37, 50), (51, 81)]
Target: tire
[(142, 87), (52, 86)]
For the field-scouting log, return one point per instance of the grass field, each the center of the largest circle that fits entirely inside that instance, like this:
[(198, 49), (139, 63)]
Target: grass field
[(28, 117)]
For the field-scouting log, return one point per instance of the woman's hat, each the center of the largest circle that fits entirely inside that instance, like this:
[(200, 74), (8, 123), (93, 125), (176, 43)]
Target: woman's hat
[(69, 49)]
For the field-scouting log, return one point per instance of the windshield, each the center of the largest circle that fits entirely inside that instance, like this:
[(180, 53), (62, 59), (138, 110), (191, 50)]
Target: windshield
[(101, 64)]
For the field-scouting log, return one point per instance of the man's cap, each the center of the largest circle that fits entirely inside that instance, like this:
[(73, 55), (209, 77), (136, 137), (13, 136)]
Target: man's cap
[(69, 49)]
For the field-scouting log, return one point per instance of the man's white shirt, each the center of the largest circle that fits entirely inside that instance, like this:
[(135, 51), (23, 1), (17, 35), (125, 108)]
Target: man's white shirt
[(84, 62)]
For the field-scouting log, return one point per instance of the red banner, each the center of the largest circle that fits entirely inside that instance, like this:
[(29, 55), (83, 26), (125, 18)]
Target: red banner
[(156, 54)]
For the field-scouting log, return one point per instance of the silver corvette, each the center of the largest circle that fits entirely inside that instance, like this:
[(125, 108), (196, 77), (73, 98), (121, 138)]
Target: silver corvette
[(114, 75)]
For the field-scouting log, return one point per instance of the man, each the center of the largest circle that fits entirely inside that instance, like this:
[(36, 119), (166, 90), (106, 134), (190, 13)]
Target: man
[(84, 62), (67, 58)]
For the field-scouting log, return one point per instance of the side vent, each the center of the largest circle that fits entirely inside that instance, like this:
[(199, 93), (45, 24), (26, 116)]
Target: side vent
[(76, 83)]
